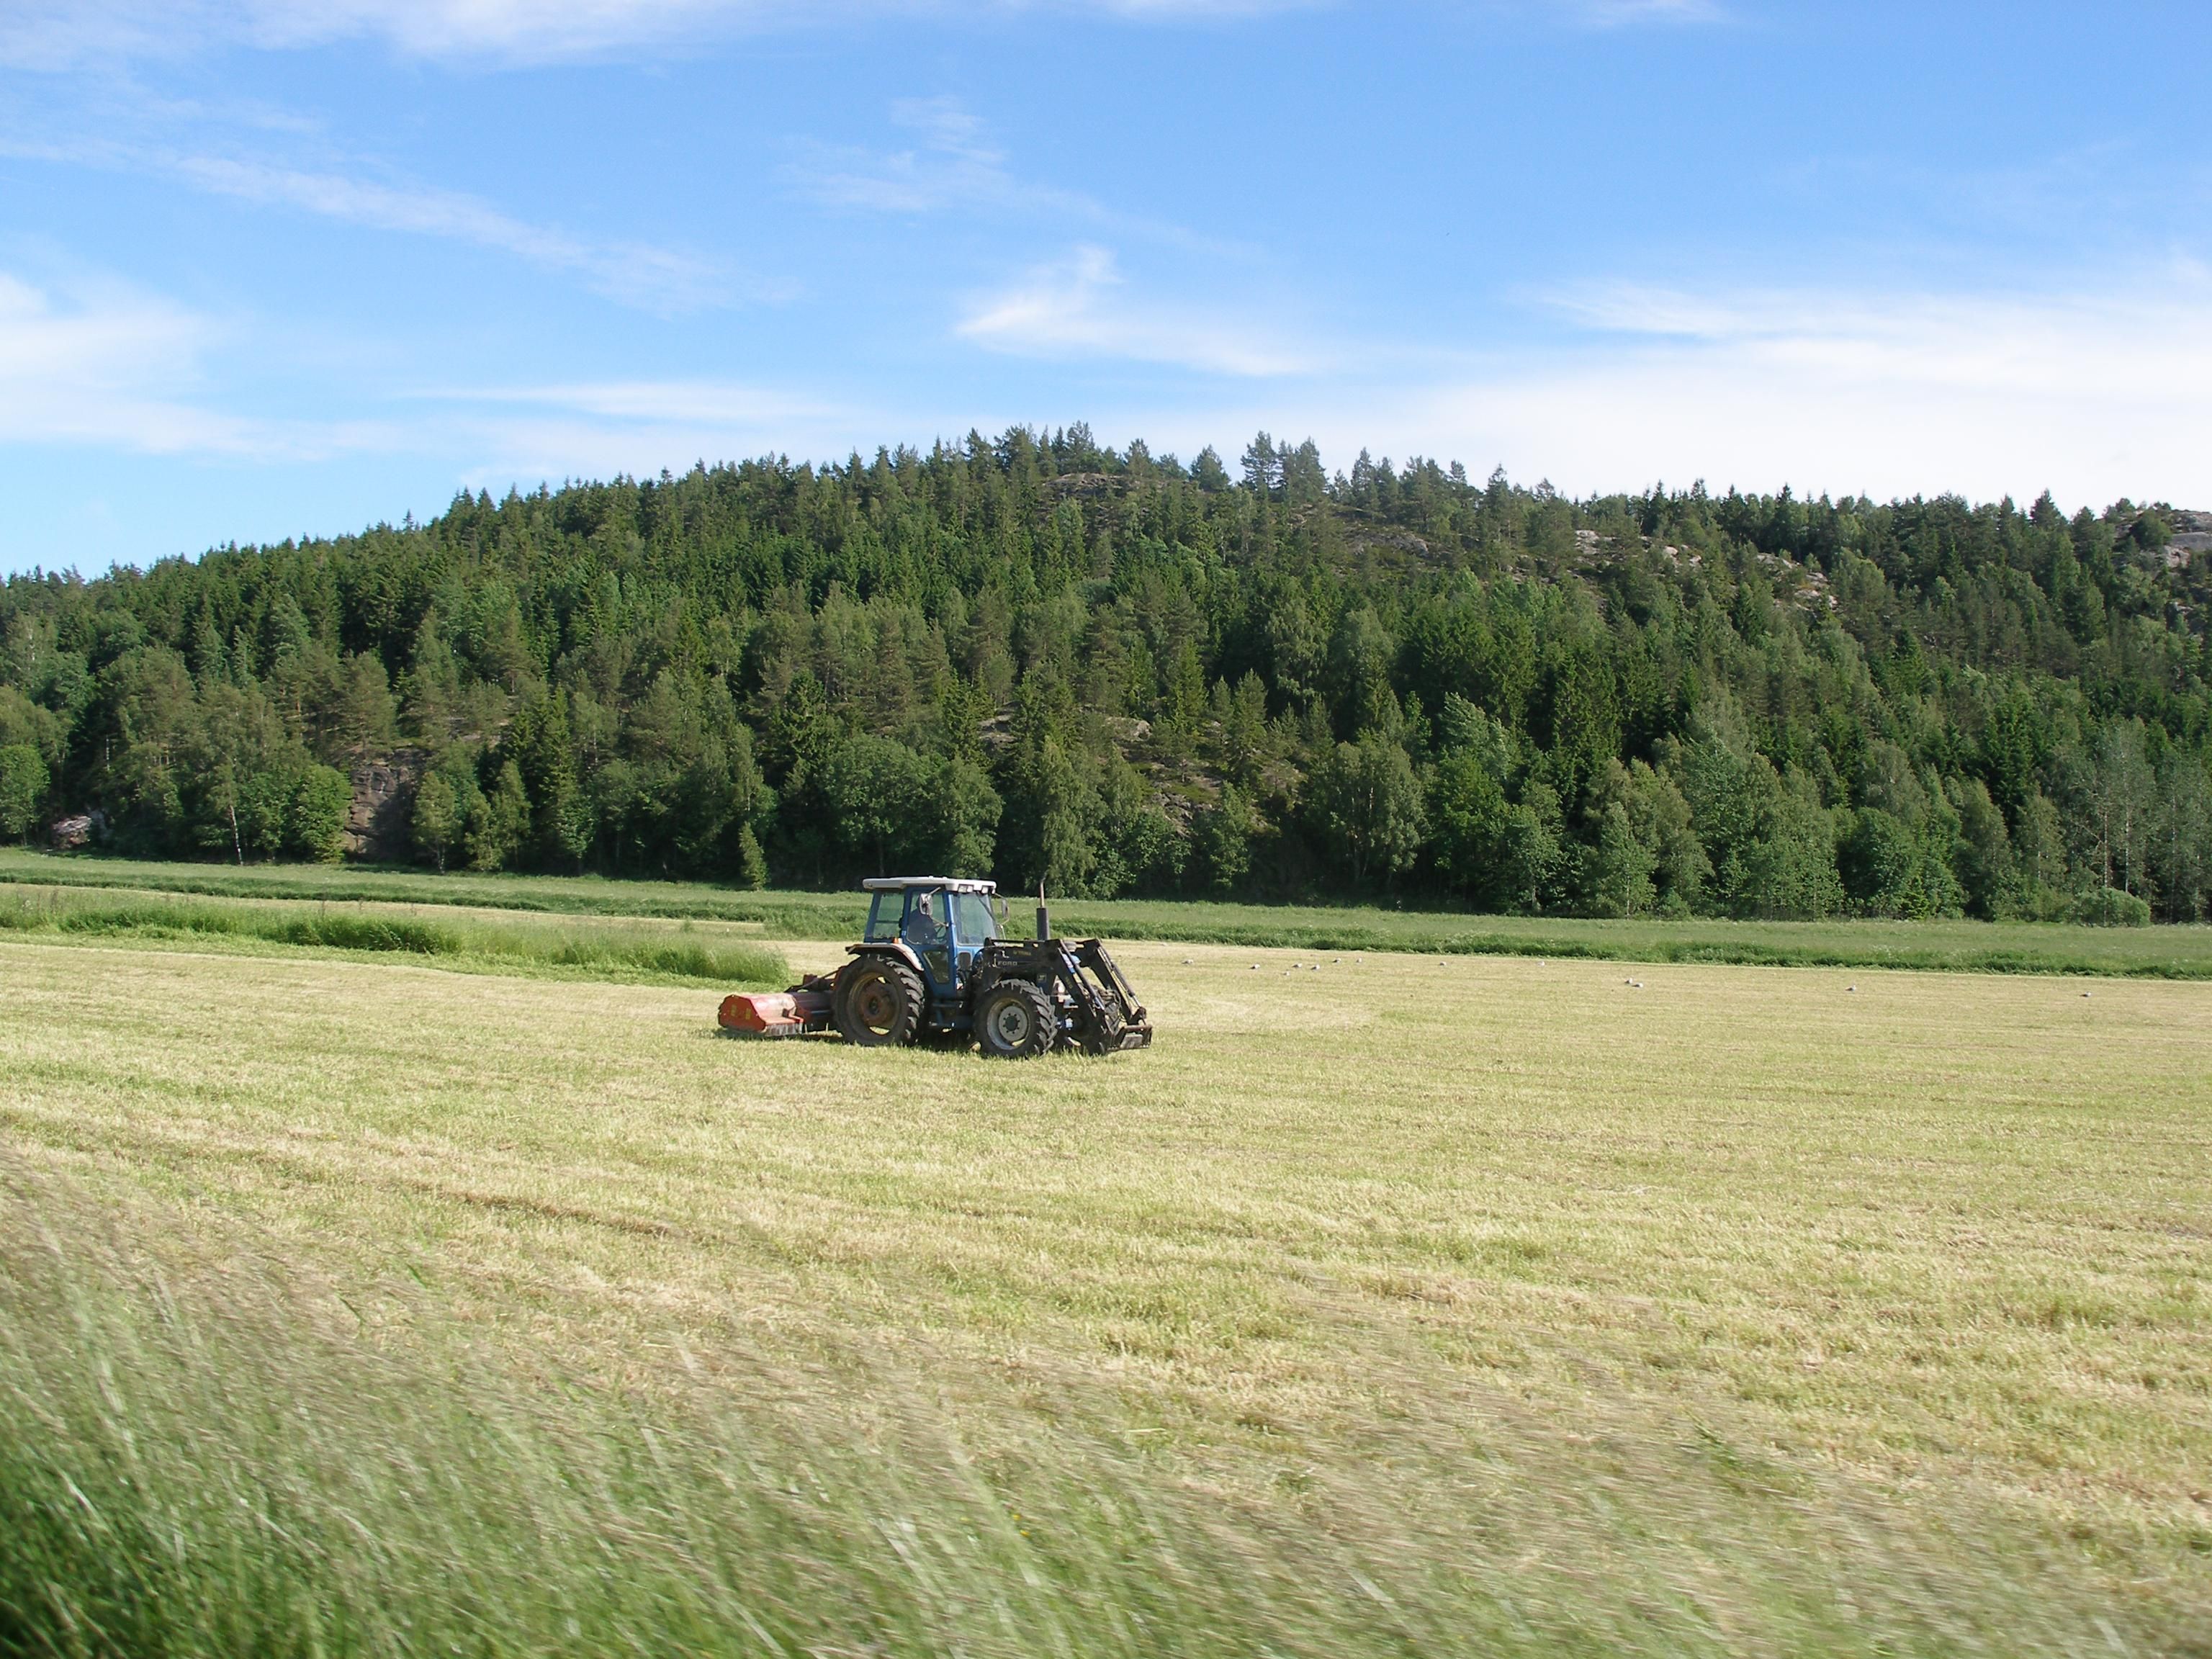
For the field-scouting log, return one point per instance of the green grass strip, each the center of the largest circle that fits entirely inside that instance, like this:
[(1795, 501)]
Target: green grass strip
[(630, 951), (1950, 945)]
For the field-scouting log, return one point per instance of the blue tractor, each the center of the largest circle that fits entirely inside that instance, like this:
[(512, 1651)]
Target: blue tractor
[(935, 964)]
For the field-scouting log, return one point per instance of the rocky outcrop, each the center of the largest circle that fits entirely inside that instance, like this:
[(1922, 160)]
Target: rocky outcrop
[(2191, 539), (376, 826)]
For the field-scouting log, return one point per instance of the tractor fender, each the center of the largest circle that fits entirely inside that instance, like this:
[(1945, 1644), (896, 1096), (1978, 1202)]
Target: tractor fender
[(897, 947)]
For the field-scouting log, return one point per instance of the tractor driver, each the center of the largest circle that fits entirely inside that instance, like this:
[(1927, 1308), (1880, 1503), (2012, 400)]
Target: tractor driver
[(925, 934)]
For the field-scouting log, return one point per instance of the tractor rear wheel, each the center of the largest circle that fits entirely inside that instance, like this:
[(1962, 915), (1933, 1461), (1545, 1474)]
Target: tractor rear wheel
[(878, 1003), (1015, 1020)]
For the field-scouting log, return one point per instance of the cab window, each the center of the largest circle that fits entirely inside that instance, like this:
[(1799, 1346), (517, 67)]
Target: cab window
[(884, 918), (925, 916)]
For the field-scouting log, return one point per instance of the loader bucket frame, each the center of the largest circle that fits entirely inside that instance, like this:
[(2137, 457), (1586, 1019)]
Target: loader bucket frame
[(1100, 1008)]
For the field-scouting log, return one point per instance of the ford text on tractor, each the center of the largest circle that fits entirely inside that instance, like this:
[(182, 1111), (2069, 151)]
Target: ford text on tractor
[(935, 965)]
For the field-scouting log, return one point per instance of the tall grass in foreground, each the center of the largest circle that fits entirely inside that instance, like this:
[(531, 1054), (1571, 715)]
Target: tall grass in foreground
[(201, 1454), (636, 951)]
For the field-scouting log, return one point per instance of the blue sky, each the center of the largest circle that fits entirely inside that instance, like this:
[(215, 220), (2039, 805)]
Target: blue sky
[(287, 266)]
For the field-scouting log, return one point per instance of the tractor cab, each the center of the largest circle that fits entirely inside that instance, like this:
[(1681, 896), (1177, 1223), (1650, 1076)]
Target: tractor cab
[(944, 921)]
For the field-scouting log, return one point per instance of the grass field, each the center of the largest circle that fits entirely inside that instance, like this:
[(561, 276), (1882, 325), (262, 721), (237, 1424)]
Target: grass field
[(1969, 946), (1406, 1305)]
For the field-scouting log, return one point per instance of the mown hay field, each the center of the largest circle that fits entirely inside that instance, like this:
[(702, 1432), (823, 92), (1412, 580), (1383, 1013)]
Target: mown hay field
[(1387, 1305)]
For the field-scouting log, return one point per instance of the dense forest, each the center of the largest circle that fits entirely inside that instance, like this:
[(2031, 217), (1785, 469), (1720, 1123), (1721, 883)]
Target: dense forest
[(1116, 672)]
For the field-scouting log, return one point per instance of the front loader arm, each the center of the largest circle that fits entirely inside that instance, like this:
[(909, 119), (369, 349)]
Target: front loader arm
[(1110, 1017)]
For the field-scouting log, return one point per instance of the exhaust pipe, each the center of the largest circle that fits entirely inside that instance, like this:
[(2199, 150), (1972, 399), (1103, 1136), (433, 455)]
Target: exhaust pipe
[(1044, 916)]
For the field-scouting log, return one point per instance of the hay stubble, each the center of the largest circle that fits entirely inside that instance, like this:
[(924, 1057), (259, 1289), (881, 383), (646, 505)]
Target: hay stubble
[(1945, 1239)]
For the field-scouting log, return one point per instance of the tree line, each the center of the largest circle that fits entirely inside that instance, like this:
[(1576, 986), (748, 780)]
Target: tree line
[(1042, 658)]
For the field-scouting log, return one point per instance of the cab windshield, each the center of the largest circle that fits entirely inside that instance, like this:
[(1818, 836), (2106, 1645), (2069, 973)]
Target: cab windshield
[(972, 919)]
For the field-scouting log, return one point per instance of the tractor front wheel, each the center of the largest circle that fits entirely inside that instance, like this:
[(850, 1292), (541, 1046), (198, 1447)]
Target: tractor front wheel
[(878, 1003), (1015, 1020)]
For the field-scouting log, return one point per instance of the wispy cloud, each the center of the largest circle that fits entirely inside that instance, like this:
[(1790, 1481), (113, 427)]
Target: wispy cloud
[(2094, 395), (98, 362), (60, 34), (951, 163), (633, 273), (1620, 14), (953, 166), (2153, 342), (593, 428), (1080, 307), (655, 402), (52, 34)]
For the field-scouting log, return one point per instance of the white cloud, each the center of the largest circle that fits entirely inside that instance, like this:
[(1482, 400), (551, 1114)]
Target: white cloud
[(107, 365), (634, 273), (1077, 308), (1616, 14), (98, 368), (521, 28), (57, 34), (98, 364), (637, 274), (595, 429), (61, 33), (2094, 397), (655, 402), (953, 164)]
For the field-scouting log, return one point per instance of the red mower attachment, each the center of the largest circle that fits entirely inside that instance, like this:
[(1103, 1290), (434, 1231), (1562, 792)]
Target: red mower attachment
[(800, 1012)]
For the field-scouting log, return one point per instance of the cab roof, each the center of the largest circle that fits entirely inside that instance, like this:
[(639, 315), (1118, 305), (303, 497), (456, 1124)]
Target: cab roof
[(949, 883)]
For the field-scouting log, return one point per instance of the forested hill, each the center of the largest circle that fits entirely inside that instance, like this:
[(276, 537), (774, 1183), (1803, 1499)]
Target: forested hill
[(1039, 658)]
